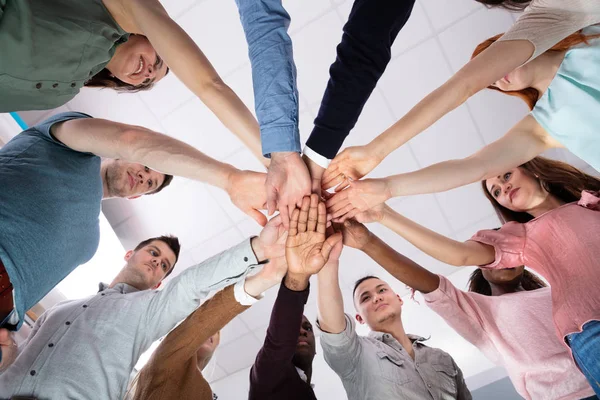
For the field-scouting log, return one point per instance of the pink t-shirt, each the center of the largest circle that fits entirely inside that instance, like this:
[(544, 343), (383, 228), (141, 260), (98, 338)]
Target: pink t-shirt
[(563, 245), (514, 330)]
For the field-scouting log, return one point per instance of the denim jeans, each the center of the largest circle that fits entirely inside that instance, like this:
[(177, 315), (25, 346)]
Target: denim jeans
[(586, 351)]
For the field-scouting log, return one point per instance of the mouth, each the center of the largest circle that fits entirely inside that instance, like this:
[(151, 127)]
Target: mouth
[(140, 67), (380, 307), (151, 266), (131, 181), (302, 343), (512, 194)]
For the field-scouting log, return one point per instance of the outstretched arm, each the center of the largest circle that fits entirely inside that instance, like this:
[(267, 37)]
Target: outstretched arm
[(329, 300), (184, 57), (522, 143), (164, 154)]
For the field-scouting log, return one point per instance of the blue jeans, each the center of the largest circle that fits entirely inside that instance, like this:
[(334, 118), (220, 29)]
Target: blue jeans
[(586, 351)]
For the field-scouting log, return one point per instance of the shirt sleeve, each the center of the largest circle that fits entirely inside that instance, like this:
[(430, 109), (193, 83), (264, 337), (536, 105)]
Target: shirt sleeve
[(182, 295), (342, 350), (508, 242), (265, 24), (459, 310), (545, 23), (278, 350), (43, 128), (462, 391)]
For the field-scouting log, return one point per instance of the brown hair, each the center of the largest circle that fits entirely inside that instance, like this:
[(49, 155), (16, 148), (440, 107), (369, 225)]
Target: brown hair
[(560, 179), (531, 95), (104, 79), (478, 283), (513, 5), (169, 240), (166, 182)]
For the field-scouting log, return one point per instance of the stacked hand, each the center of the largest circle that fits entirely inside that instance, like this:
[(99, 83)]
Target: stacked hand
[(271, 246), (360, 197), (307, 248), (351, 164), (246, 190), (356, 235)]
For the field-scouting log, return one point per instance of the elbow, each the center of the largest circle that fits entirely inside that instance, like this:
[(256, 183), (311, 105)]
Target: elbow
[(214, 84), (132, 143)]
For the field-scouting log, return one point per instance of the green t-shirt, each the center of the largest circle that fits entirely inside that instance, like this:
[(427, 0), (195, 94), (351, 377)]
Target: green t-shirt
[(50, 48)]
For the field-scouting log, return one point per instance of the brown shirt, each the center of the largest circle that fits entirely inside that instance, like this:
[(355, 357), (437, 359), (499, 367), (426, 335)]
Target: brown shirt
[(172, 372)]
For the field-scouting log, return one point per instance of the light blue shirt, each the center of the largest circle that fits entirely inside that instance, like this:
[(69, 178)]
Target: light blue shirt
[(87, 348), (265, 24), (50, 199), (570, 109)]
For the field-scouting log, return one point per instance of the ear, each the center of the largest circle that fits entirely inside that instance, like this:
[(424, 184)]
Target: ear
[(400, 299), (128, 255), (134, 197), (359, 319)]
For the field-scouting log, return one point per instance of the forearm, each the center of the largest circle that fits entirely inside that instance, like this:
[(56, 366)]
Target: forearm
[(265, 24), (191, 66), (329, 300), (437, 246), (401, 267)]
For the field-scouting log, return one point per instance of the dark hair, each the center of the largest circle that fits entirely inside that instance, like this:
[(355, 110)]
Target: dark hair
[(169, 240), (166, 182), (361, 280), (531, 95), (513, 5), (558, 178), (478, 283), (104, 79)]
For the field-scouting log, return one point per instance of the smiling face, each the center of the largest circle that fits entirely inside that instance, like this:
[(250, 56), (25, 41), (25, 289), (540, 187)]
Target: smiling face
[(376, 303), (517, 190), (136, 62), (147, 266), (129, 180)]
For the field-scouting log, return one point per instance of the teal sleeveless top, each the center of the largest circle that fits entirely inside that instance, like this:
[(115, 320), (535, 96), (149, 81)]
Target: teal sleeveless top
[(570, 109), (50, 48)]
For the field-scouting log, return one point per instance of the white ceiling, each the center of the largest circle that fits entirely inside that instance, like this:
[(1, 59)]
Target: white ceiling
[(436, 42)]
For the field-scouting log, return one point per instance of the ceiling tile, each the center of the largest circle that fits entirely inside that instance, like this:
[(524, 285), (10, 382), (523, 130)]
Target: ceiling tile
[(415, 31), (166, 96), (465, 205), (177, 7), (216, 244), (260, 313), (302, 12), (213, 372), (233, 387), (233, 330), (443, 13), (238, 354), (240, 81), (489, 222), (424, 210)]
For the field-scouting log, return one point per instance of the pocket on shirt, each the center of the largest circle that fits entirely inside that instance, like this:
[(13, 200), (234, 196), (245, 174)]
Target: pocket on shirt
[(392, 368), (446, 376)]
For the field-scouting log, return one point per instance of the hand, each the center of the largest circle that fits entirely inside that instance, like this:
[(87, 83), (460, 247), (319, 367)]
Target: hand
[(316, 173), (374, 214), (307, 249), (359, 197), (8, 349), (354, 163), (287, 182), (246, 191), (356, 235), (270, 244)]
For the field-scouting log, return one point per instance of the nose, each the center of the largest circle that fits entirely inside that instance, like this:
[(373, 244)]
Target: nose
[(507, 187), (303, 332), (150, 72)]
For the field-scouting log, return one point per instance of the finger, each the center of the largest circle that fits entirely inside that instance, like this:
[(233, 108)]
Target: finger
[(332, 181), (342, 185), (257, 216), (293, 231), (326, 195), (335, 209), (322, 218), (5, 337), (338, 197), (343, 211), (313, 212), (275, 221), (329, 244), (285, 216), (303, 220), (271, 200)]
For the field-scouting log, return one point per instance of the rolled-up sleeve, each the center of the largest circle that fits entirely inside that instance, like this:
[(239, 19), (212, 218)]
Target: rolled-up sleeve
[(342, 350), (508, 243), (265, 24)]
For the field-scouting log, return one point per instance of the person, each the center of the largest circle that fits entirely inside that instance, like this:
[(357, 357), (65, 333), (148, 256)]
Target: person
[(174, 370), (53, 176), (283, 366), (87, 348), (537, 200), (126, 45), (506, 314), (389, 363), (542, 25)]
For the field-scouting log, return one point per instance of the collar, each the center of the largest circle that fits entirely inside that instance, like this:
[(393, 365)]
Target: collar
[(386, 337), (122, 288), (303, 376)]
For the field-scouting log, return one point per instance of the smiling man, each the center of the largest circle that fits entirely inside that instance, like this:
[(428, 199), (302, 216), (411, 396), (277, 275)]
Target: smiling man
[(389, 363)]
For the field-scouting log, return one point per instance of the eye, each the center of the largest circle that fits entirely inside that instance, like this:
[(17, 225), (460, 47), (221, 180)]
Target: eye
[(382, 290), (164, 266), (364, 299), (308, 328), (507, 176), (153, 253), (496, 192), (149, 183)]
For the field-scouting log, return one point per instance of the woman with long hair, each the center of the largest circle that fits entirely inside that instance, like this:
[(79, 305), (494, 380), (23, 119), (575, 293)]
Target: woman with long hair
[(552, 215), (51, 49), (506, 314)]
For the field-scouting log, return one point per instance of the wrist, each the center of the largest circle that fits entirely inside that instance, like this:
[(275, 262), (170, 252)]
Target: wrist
[(377, 149), (230, 173), (389, 189), (282, 155), (257, 248), (296, 282)]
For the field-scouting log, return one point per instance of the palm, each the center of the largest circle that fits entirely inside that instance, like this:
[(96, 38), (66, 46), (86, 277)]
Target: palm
[(353, 163), (355, 234), (304, 252), (367, 194), (246, 191), (374, 214)]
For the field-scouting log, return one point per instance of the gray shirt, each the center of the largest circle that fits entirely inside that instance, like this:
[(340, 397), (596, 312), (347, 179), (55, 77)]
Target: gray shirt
[(377, 367), (86, 349)]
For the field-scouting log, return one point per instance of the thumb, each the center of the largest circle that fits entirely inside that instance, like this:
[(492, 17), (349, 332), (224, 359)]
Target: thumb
[(271, 200), (329, 244), (257, 216)]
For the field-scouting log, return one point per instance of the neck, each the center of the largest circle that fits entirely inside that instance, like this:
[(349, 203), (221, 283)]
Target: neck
[(509, 287), (396, 329), (545, 70), (306, 367), (104, 177), (549, 204)]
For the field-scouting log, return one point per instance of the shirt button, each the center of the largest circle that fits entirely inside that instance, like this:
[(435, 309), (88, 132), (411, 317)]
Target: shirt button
[(245, 258), (50, 344), (73, 84), (55, 85), (67, 323), (101, 294), (38, 85), (85, 306), (32, 372), (429, 385)]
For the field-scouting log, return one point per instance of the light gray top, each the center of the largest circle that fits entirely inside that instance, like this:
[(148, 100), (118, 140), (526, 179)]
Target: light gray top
[(86, 349), (377, 367)]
